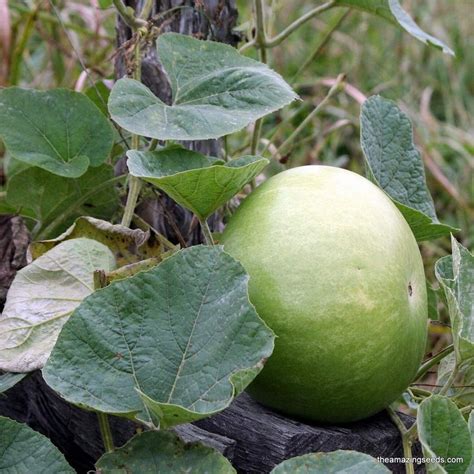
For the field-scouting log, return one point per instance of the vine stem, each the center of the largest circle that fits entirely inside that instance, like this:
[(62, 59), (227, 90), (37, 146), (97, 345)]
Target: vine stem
[(433, 361), (283, 147), (275, 41), (260, 40), (206, 232), (450, 381), (134, 183), (406, 439), (134, 188), (128, 15), (104, 425), (323, 41), (105, 432)]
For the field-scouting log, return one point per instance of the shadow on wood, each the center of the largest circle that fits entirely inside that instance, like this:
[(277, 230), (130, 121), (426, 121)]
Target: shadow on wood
[(252, 437)]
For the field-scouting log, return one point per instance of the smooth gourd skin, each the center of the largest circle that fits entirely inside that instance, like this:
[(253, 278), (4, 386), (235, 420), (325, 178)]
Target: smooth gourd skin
[(336, 272)]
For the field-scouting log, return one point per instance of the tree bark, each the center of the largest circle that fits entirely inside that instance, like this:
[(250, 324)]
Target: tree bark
[(203, 19), (14, 240)]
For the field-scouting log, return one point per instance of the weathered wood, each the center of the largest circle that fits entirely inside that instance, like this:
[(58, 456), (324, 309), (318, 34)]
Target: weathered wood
[(265, 438), (252, 437)]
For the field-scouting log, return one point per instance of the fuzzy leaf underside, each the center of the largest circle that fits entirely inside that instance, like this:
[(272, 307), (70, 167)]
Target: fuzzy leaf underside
[(443, 433), (455, 274), (41, 299), (129, 244)]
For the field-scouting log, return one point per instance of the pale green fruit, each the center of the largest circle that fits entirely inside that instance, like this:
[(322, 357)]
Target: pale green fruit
[(336, 272)]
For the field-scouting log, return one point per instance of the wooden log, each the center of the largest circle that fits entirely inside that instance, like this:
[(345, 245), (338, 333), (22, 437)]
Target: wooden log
[(265, 438), (252, 437), (76, 432)]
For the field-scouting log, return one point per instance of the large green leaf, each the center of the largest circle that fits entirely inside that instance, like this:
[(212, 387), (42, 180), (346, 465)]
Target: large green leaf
[(343, 462), (130, 245), (41, 299), (392, 11), (59, 130), (396, 166), (455, 274), (216, 91), (23, 450), (162, 452), (46, 198), (195, 181), (443, 433), (180, 339)]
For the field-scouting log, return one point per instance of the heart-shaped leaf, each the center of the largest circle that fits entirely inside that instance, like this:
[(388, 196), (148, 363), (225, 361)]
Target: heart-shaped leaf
[(455, 274), (58, 130), (130, 245), (396, 166), (41, 299), (331, 463), (26, 451), (216, 91), (392, 11), (443, 434), (195, 181), (183, 334), (53, 202), (163, 452)]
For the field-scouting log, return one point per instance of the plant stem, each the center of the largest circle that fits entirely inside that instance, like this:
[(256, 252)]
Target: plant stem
[(450, 381), (128, 15), (146, 10), (206, 232), (153, 144), (332, 26), (420, 392), (17, 56), (134, 188), (406, 439), (283, 147), (275, 41), (134, 183), (433, 361), (105, 432), (260, 40)]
